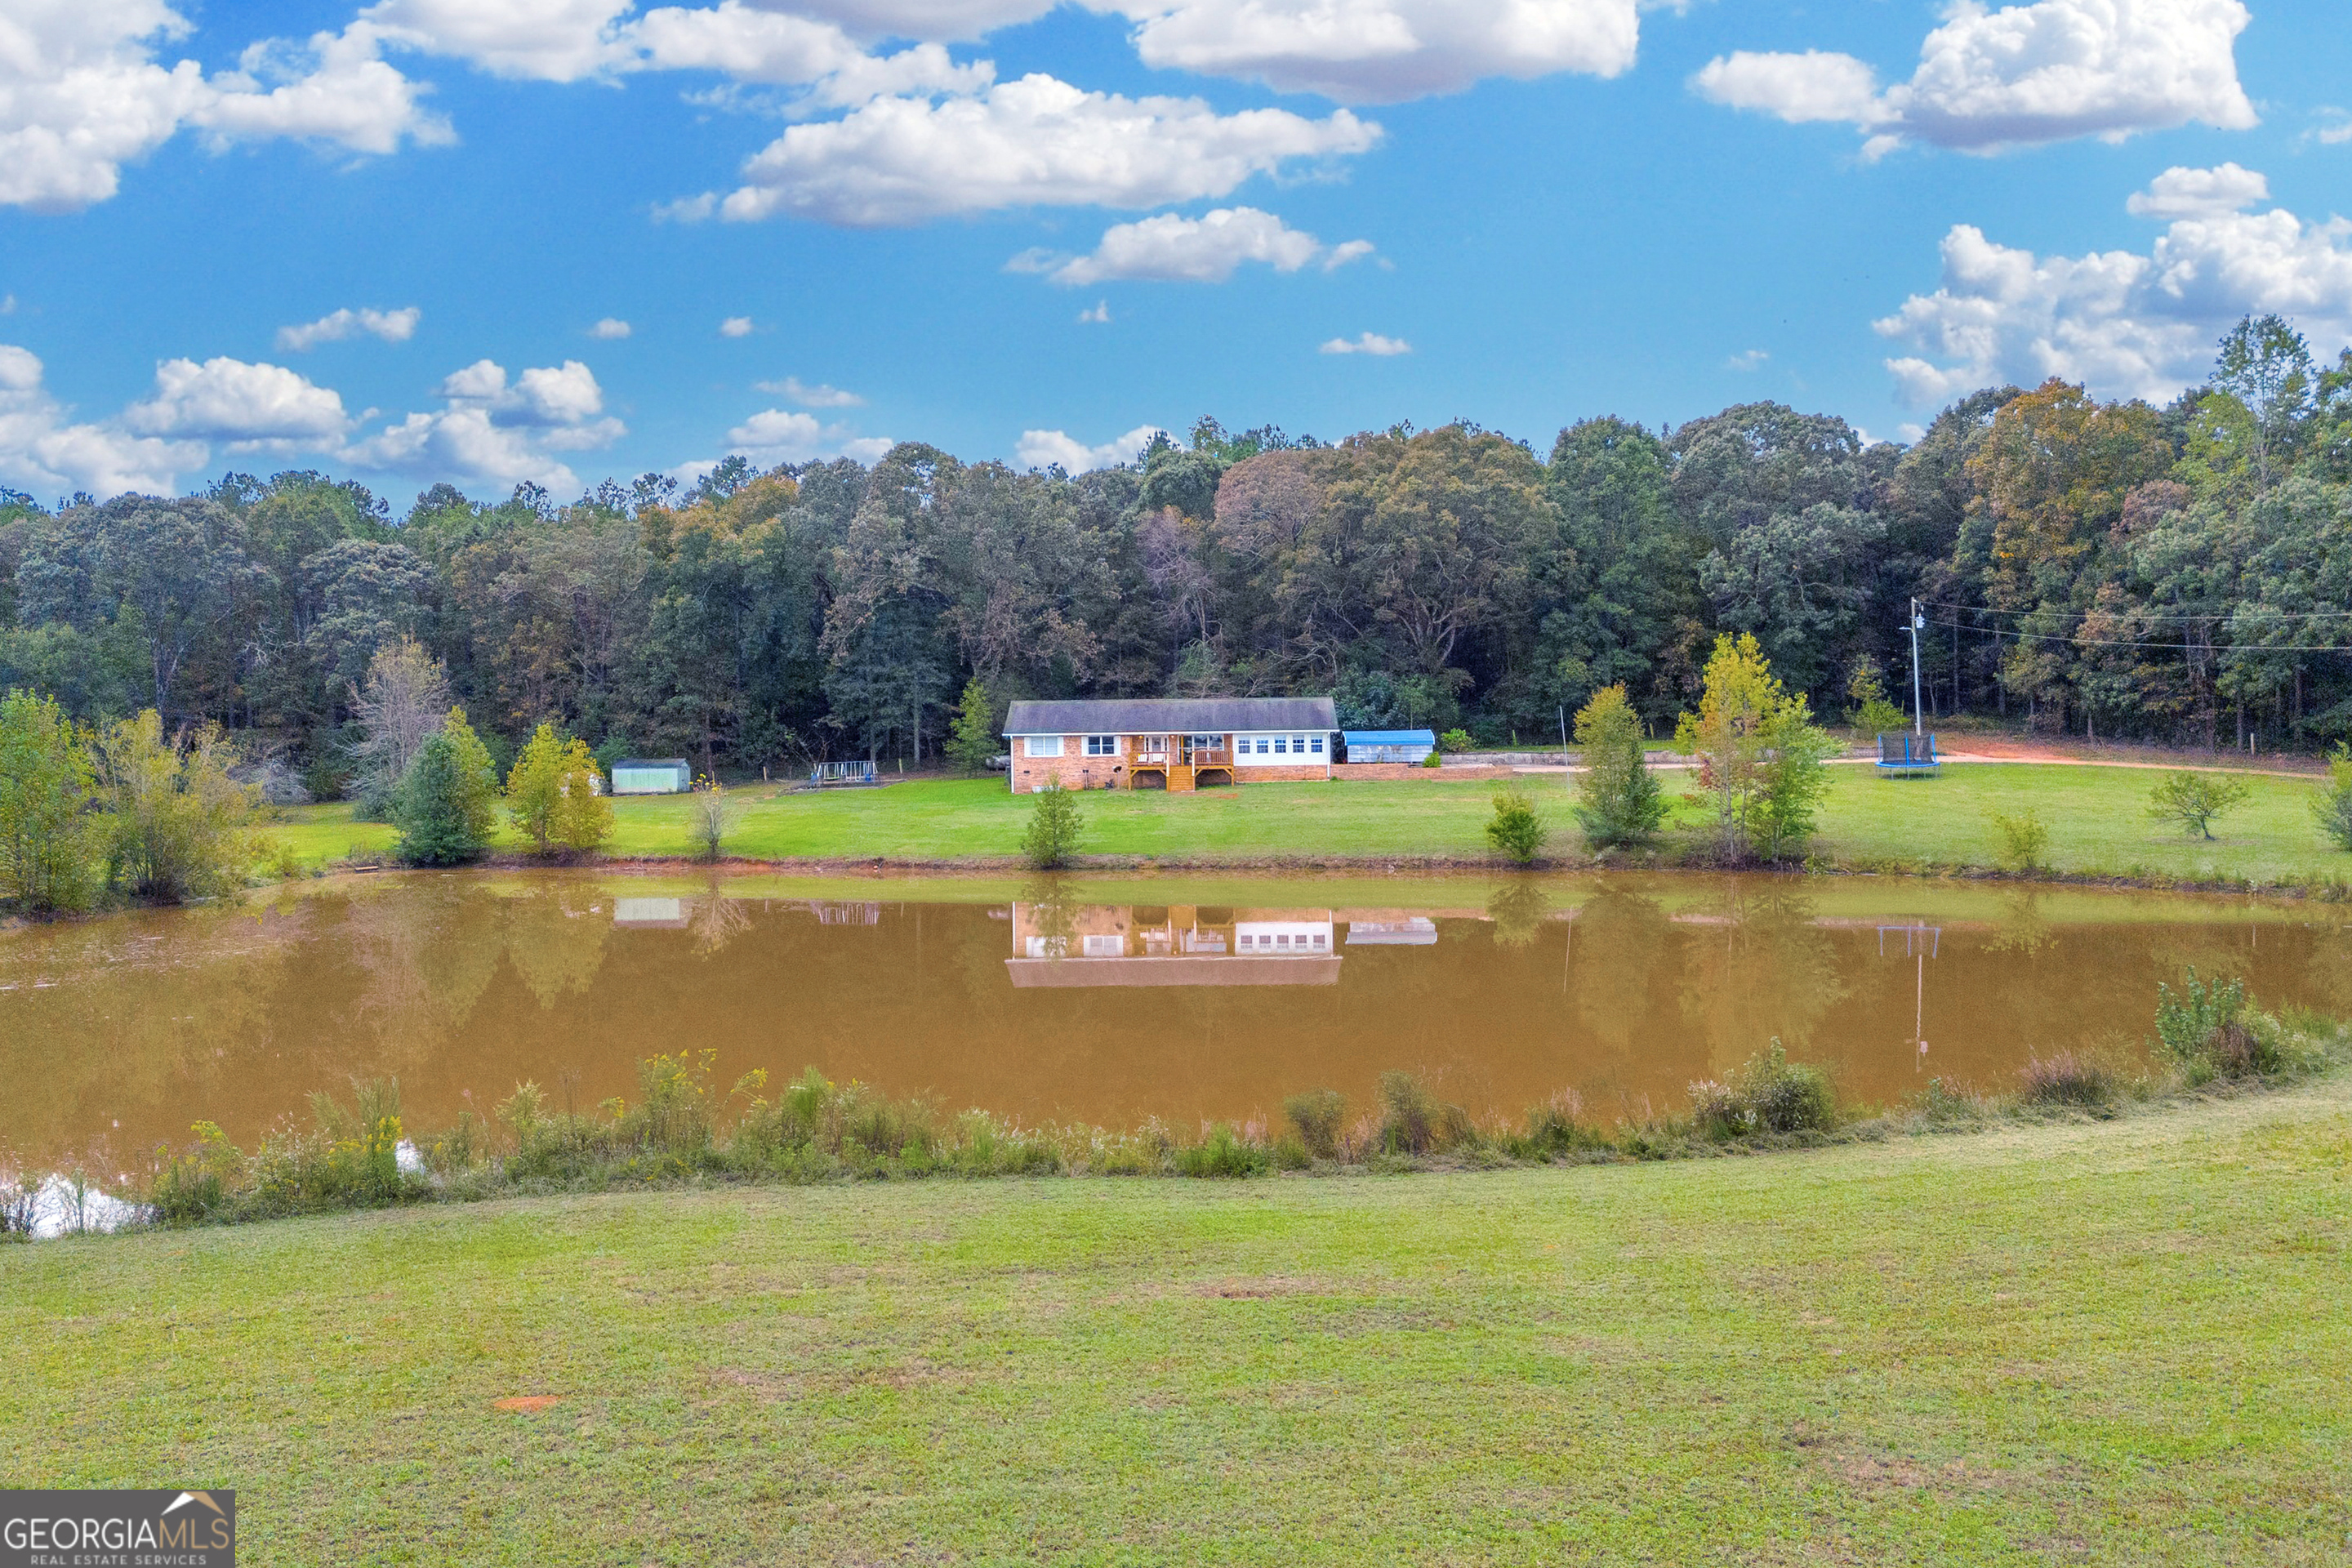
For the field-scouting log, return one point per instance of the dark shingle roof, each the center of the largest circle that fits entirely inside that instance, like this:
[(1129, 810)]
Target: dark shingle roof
[(1171, 715)]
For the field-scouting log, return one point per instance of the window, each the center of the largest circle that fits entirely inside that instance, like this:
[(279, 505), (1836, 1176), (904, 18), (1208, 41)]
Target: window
[(1298, 745), (1045, 745), (1105, 944), (1102, 745), (1278, 745), (1315, 744), (1260, 745)]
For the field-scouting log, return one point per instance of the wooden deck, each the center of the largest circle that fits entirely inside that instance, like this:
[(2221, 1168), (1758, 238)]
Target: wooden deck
[(1177, 767)]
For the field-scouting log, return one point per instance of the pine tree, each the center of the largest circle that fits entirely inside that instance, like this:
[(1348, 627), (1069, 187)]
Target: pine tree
[(973, 739), (1618, 798), (445, 806)]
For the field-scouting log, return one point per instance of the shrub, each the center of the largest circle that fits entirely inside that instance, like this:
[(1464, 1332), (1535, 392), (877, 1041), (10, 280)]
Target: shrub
[(1432, 761), (1054, 828), (2333, 808), (2066, 1078), (1413, 1121), (2195, 801), (1516, 829), (1717, 1111), (1871, 713), (1456, 740), (1557, 1126), (1770, 1094), (2022, 839), (179, 820), (1318, 1115), (2208, 1032), (1223, 1152), (1785, 1095), (1618, 798)]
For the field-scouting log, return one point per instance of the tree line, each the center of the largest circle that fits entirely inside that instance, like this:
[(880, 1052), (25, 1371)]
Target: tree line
[(2111, 569)]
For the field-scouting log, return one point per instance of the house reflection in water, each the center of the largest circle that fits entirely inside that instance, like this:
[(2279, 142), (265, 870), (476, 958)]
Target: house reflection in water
[(650, 914), (1408, 930), (1126, 944)]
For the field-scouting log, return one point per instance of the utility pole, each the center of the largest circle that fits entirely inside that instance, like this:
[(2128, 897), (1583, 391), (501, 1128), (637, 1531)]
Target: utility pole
[(1563, 737), (1919, 718)]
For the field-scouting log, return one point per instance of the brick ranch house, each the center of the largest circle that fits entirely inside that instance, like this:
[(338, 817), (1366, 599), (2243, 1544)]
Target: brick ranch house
[(1174, 742)]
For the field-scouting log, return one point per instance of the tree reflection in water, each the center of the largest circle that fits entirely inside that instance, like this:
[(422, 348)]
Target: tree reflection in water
[(1625, 986)]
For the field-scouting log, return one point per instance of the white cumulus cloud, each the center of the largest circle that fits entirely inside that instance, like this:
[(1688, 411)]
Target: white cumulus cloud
[(1204, 249), (735, 327), (577, 40), (818, 396), (1036, 141), (2198, 193), (776, 435), (244, 405), (82, 93), (1382, 51), (1991, 79), (1046, 448), (609, 328), (2125, 323), (497, 429), (42, 447), (1366, 344), (392, 326)]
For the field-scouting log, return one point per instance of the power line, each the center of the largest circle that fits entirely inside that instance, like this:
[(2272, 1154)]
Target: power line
[(2073, 641), (2222, 616)]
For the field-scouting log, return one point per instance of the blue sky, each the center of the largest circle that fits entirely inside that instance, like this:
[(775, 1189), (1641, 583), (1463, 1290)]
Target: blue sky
[(1031, 233)]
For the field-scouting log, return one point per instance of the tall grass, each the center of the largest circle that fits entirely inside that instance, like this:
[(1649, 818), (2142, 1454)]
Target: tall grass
[(681, 1125)]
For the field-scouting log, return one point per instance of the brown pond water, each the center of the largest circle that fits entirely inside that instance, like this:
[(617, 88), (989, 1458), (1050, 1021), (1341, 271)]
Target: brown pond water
[(1093, 1000)]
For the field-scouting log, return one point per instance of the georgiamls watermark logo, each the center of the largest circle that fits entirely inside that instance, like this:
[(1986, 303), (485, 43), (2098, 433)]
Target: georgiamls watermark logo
[(157, 1529)]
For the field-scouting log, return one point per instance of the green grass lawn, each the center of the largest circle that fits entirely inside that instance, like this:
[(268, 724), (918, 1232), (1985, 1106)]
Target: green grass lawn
[(2096, 814), (2103, 1342)]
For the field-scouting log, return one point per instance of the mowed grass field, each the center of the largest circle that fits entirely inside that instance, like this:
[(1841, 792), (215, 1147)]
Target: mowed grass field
[(2115, 1343), (2097, 818)]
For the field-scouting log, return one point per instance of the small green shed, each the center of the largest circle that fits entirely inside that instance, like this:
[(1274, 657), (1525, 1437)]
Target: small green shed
[(662, 775)]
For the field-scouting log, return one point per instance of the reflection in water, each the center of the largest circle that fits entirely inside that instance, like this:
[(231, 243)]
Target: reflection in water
[(1065, 944), (117, 1034)]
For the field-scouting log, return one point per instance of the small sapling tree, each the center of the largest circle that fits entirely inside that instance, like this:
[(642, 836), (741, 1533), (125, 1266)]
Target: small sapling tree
[(1617, 798), (714, 814), (2333, 808), (1516, 829), (2024, 839), (552, 794), (1871, 713), (1054, 828), (2193, 801)]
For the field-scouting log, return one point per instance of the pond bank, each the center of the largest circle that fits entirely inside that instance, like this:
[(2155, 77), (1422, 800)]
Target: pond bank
[(2060, 1340)]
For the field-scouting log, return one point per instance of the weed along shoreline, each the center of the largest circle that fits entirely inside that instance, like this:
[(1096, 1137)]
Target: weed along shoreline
[(687, 1124)]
